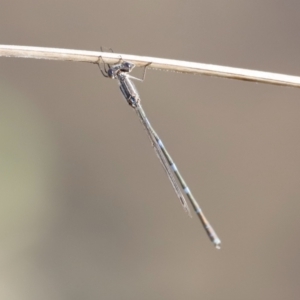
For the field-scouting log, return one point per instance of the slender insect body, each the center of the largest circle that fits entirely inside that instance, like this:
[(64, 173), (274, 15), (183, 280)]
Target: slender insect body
[(129, 91)]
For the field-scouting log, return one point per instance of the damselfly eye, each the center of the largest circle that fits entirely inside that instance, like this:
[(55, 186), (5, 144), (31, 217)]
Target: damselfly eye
[(127, 66), (111, 74)]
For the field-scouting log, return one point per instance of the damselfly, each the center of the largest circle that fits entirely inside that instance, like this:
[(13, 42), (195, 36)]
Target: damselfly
[(121, 72)]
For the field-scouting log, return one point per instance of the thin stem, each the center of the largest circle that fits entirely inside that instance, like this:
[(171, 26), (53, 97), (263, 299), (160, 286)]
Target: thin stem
[(156, 63)]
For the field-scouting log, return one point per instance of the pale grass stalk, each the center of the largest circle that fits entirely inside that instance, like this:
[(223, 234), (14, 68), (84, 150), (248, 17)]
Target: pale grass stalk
[(156, 63)]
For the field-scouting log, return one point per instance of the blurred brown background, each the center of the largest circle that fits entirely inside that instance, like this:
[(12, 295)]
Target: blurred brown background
[(86, 211)]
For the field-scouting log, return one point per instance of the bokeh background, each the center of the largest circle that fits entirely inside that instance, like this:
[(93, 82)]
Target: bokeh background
[(86, 211)]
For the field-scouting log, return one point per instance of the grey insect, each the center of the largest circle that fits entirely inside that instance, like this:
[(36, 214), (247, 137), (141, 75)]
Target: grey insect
[(121, 72)]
